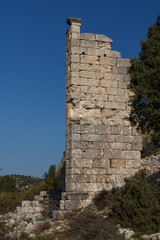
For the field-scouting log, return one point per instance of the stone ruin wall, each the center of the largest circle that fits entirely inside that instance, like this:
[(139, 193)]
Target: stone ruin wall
[(101, 146)]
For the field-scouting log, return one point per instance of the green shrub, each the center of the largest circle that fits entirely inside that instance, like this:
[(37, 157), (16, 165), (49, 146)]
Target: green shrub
[(23, 236), (88, 226), (3, 230), (34, 190), (7, 184), (52, 177), (9, 201), (137, 204), (45, 237)]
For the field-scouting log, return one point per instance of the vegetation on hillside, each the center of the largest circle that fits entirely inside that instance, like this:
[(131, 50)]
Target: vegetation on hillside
[(136, 205), (52, 177), (16, 188)]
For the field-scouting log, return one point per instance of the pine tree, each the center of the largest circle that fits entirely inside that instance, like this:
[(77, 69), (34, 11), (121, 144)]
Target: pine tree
[(52, 178), (145, 84)]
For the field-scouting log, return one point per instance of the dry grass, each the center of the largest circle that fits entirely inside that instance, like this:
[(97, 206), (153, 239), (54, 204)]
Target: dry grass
[(42, 227), (88, 226)]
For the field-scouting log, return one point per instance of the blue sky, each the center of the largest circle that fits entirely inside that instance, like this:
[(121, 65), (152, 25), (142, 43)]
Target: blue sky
[(32, 70)]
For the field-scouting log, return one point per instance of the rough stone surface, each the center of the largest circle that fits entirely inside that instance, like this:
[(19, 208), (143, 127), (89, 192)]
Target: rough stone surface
[(29, 217), (101, 146), (125, 232)]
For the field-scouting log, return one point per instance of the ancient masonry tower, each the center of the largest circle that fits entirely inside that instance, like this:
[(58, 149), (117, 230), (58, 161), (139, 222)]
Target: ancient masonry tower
[(101, 146)]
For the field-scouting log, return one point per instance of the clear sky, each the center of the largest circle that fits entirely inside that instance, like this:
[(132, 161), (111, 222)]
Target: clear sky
[(32, 70)]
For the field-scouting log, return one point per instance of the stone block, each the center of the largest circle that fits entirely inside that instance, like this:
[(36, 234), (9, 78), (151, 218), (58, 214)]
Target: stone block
[(108, 113), (135, 132), (115, 122), (132, 155), (116, 163), (103, 38), (120, 69), (75, 28), (77, 113), (100, 104), (88, 170), (127, 78), (91, 120), (75, 35), (108, 83), (100, 145), (116, 105), (116, 130), (83, 89), (93, 82), (87, 163), (133, 164), (113, 76), (108, 60), (94, 113), (79, 81), (91, 137), (95, 52), (77, 163), (74, 43), (122, 99), (76, 153), (26, 203), (76, 137), (74, 128), (77, 196), (137, 146), (111, 53), (89, 59), (103, 45), (121, 84), (71, 187), (87, 104), (116, 154), (123, 62), (91, 153), (72, 204), (88, 44), (87, 129), (138, 139), (115, 91), (102, 129), (100, 163), (74, 58), (87, 36)]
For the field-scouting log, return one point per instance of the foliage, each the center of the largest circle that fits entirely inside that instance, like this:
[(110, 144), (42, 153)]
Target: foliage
[(46, 237), (88, 226), (34, 190), (150, 146), (137, 204), (9, 200), (3, 230), (7, 184), (52, 178), (22, 182), (145, 84)]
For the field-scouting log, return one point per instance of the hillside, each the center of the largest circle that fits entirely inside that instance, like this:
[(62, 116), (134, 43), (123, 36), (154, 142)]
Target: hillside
[(22, 182)]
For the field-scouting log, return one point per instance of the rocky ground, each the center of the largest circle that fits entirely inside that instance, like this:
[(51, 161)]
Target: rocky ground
[(41, 216)]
